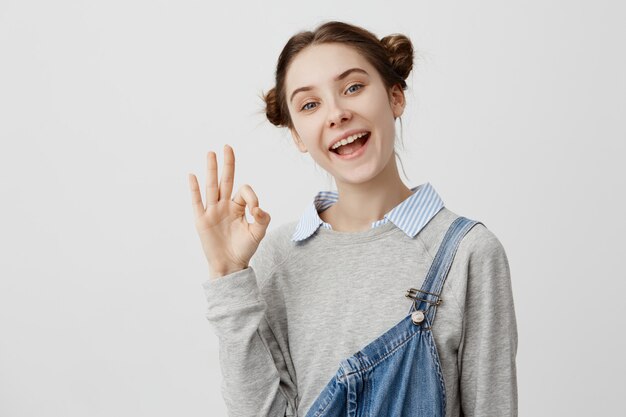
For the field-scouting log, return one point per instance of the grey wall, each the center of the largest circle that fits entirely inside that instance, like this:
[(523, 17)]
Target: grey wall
[(516, 116)]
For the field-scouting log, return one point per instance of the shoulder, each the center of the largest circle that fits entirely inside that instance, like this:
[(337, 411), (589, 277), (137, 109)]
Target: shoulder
[(274, 249), (479, 242), (278, 239), (480, 268)]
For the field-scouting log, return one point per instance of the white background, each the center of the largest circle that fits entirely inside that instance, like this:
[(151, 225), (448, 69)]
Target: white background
[(516, 115)]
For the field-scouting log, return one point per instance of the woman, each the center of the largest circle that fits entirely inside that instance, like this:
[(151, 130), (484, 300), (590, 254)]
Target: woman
[(312, 318)]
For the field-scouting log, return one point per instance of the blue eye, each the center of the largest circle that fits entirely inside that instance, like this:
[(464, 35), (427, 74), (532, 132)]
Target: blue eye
[(305, 106), (355, 85)]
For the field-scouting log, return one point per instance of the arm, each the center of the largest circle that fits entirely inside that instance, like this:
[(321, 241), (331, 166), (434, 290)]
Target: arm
[(255, 376), (488, 347), (254, 383)]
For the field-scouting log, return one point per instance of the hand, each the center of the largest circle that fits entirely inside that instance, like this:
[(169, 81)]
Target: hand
[(228, 240)]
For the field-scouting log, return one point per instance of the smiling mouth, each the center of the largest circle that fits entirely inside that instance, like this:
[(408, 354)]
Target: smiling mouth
[(352, 147)]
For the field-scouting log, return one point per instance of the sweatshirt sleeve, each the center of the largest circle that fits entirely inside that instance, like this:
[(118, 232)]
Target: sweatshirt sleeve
[(488, 346), (256, 377)]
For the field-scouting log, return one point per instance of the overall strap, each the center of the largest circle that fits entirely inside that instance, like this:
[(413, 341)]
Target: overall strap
[(429, 295)]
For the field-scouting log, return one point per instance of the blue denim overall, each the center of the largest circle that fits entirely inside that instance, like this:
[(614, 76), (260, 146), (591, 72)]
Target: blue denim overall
[(398, 374)]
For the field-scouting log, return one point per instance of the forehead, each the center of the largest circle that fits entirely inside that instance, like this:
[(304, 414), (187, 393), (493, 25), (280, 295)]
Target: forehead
[(321, 63)]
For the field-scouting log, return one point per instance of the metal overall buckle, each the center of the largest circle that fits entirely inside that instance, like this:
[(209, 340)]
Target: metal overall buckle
[(418, 316)]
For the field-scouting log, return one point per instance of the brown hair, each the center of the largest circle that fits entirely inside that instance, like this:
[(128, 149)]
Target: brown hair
[(392, 56)]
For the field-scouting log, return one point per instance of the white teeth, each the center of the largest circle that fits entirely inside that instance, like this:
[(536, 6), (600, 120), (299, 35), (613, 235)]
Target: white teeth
[(349, 139)]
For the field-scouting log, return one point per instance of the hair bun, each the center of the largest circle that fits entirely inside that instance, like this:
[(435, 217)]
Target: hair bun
[(400, 50), (272, 109)]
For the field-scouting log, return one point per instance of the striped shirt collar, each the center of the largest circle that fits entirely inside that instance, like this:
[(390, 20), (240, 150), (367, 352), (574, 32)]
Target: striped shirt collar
[(411, 215)]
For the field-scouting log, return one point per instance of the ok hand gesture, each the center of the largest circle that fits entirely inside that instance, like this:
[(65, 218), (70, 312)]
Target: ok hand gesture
[(228, 240)]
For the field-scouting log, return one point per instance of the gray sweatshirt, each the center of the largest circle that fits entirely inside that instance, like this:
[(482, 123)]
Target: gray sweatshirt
[(285, 322)]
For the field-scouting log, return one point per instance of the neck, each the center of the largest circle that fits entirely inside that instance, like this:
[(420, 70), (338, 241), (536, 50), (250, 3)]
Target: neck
[(360, 205)]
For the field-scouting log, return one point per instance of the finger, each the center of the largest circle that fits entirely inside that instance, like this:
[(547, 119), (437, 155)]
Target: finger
[(228, 173), (261, 221), (196, 198), (212, 192), (246, 196)]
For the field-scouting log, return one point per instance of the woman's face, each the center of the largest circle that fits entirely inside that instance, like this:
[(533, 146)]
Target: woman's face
[(329, 108)]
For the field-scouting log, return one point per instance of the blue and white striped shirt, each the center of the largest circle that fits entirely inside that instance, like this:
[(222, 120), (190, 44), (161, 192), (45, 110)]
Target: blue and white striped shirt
[(411, 215)]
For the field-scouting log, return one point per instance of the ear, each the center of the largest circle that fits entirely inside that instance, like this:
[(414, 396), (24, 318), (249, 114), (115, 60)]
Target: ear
[(297, 140), (397, 100)]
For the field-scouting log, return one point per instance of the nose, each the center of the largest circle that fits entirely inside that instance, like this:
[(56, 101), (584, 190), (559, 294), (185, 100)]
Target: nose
[(338, 114)]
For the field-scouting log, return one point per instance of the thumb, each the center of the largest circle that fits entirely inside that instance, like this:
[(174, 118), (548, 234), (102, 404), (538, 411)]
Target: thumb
[(261, 221)]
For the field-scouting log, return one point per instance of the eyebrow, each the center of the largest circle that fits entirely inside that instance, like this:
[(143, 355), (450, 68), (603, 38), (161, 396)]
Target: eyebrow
[(337, 78)]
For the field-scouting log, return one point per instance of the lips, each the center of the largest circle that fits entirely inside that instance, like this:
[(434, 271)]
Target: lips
[(356, 154), (346, 135), (362, 141)]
